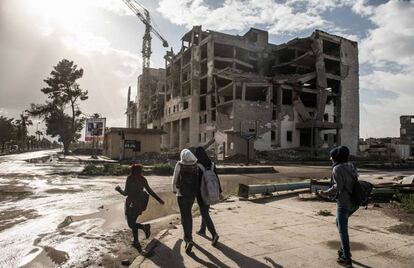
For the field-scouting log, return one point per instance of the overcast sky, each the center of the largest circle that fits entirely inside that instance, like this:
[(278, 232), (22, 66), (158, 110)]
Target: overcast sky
[(104, 38)]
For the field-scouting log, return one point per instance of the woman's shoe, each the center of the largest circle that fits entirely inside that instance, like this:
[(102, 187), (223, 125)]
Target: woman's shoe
[(189, 246), (347, 262), (136, 245), (147, 230), (215, 240), (201, 233)]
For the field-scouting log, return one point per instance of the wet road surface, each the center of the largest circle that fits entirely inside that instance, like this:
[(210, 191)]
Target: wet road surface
[(36, 203)]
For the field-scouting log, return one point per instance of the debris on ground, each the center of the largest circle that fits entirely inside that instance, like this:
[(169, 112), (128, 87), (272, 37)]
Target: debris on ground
[(324, 212), (125, 262), (403, 228)]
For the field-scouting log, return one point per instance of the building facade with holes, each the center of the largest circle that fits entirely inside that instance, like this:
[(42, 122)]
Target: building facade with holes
[(224, 89)]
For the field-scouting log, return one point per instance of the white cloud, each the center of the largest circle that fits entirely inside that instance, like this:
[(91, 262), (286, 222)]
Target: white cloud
[(277, 17), (362, 8), (393, 38), (388, 45)]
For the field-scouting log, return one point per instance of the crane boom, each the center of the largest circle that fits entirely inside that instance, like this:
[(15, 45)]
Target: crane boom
[(143, 14)]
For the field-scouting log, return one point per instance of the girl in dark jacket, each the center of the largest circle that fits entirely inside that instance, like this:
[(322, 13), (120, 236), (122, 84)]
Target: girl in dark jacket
[(137, 201), (206, 221)]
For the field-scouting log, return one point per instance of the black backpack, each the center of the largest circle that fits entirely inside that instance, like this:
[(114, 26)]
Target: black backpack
[(361, 191), (188, 181)]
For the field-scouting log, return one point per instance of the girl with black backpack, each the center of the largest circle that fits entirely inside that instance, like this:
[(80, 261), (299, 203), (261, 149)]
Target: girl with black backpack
[(186, 184)]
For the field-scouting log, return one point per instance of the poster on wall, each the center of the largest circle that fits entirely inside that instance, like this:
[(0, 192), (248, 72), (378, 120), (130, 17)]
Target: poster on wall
[(95, 128)]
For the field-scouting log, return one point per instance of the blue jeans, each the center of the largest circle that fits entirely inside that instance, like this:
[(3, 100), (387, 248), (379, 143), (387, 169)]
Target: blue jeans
[(342, 215)]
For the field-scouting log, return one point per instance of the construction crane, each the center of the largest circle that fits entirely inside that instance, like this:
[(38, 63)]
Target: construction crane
[(143, 14)]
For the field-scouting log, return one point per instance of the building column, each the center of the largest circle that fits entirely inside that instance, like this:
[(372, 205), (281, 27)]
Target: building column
[(171, 143), (180, 134), (279, 115)]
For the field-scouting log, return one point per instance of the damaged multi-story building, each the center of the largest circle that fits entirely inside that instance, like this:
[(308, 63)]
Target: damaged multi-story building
[(407, 132), (147, 109), (239, 91)]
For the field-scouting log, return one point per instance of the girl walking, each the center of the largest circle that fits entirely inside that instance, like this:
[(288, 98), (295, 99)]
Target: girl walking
[(206, 221), (186, 184), (137, 200)]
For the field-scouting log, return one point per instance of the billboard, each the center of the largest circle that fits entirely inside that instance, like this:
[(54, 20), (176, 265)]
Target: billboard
[(95, 127)]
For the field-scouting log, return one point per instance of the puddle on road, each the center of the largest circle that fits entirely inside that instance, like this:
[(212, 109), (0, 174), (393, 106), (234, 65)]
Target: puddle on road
[(12, 193), (11, 217)]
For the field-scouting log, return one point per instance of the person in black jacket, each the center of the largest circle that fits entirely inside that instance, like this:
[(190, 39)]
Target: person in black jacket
[(206, 221), (137, 201), (343, 178)]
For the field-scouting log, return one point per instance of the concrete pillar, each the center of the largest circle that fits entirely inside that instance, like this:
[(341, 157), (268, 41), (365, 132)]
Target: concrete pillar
[(269, 95), (171, 141), (180, 134), (210, 82), (279, 116)]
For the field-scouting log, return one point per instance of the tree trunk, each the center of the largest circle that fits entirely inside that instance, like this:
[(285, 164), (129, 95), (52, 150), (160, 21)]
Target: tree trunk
[(66, 147)]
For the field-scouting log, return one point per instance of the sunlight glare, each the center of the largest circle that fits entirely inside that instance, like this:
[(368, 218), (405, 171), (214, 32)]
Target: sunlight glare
[(66, 13)]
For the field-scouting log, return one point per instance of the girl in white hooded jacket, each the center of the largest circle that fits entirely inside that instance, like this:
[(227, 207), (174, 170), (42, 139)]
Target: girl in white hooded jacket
[(186, 184)]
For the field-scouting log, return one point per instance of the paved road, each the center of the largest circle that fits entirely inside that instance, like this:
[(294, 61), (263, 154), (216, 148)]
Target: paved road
[(285, 233)]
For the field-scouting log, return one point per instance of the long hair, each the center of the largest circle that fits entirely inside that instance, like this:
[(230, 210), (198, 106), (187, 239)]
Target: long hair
[(136, 170), (202, 157)]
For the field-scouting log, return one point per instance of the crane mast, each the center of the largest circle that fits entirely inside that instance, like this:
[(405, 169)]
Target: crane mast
[(146, 43)]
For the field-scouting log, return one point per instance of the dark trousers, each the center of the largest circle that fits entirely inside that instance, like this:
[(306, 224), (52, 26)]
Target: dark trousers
[(342, 216), (132, 223), (206, 220), (185, 203)]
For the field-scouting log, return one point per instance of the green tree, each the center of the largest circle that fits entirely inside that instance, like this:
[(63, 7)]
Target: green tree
[(61, 111), (7, 131), (21, 132)]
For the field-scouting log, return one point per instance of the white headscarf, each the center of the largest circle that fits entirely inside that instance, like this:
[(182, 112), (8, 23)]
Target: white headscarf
[(187, 157)]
